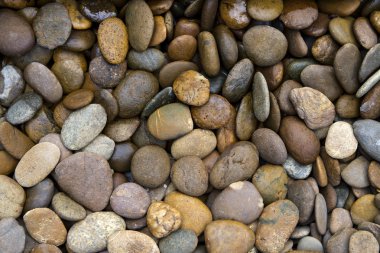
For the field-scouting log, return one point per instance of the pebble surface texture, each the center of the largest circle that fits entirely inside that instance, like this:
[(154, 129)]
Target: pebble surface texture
[(189, 126)]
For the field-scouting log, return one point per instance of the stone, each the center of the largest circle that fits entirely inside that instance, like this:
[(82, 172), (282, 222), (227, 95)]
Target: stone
[(309, 243), (43, 81), (319, 172), (45, 226), (66, 208), (150, 166), (370, 63), (78, 99), (39, 195), (365, 132), (15, 142), (369, 84), (296, 170), (240, 201), (265, 45), (237, 163), (130, 200), (319, 27), (91, 234), (276, 224), (101, 145), (298, 14), (347, 106), (83, 126), (52, 25), (169, 72), (106, 75), (208, 53), (374, 174), (164, 97), (340, 141), (37, 164), (227, 45), (122, 129), (340, 8), (85, 173), (192, 88), (18, 36), (159, 32), (182, 48), (12, 236), (242, 241), (150, 60), (12, 198), (190, 176), (163, 219), (24, 108), (301, 143), (364, 33), (140, 23), (282, 95), (320, 213), (113, 40), (41, 124), (121, 158), (214, 114), (264, 11), (356, 173), (78, 21), (364, 209), (143, 137), (296, 44), (69, 73), (131, 241), (260, 97), (270, 146), (143, 85), (41, 248), (339, 241), (324, 49), (246, 123), (80, 40), (363, 241), (234, 13), (208, 14), (182, 240), (56, 139), (97, 10), (370, 105), (341, 30), (8, 163), (12, 84), (301, 193), (195, 214), (340, 218)]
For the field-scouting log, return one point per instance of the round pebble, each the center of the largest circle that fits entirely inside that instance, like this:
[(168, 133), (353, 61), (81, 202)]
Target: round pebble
[(340, 218), (66, 208), (363, 241), (340, 141), (301, 193), (163, 219), (364, 209), (69, 74), (106, 75), (12, 236), (264, 11), (182, 240), (150, 60)]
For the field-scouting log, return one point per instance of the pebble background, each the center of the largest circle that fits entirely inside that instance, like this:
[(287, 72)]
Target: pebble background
[(189, 126)]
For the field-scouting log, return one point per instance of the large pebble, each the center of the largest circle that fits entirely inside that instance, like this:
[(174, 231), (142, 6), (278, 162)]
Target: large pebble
[(276, 224), (131, 242), (195, 214), (340, 218), (12, 84), (313, 107), (302, 144), (340, 141), (265, 45), (45, 226), (356, 173), (301, 193), (12, 236), (227, 45), (365, 132), (140, 23), (242, 240), (43, 81), (240, 201), (86, 178), (69, 74), (17, 34), (183, 240), (12, 198), (24, 108), (370, 105), (56, 139), (296, 170), (66, 208), (309, 244), (170, 71), (364, 209), (364, 33), (164, 97), (363, 241), (150, 60), (37, 164), (263, 10), (341, 30), (238, 162), (338, 7), (246, 122), (83, 126), (52, 25), (122, 129), (91, 234)]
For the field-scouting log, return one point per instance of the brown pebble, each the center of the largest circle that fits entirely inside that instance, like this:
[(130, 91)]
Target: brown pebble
[(299, 14), (324, 49), (234, 13), (78, 99), (159, 32), (364, 33), (15, 142), (182, 48), (347, 106)]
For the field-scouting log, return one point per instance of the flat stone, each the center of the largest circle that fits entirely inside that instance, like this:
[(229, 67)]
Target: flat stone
[(12, 236), (131, 241), (150, 60), (340, 8), (12, 84), (15, 142), (69, 73), (101, 145), (320, 213), (208, 53), (182, 48), (340, 141), (227, 45), (309, 243), (364, 33), (122, 129), (296, 170), (365, 132), (24, 108), (66, 208), (246, 123)]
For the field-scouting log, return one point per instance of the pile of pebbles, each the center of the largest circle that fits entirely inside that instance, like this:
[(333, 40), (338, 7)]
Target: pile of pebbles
[(189, 126)]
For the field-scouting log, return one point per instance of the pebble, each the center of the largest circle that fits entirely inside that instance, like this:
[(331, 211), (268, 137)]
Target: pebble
[(101, 145), (305, 148), (56, 139), (364, 33), (341, 30), (301, 193), (309, 243), (8, 163), (264, 11), (265, 45), (131, 106), (282, 96), (238, 162), (159, 32), (41, 248), (122, 129), (80, 40), (370, 63), (186, 27), (320, 213), (131, 241), (246, 123), (164, 97), (85, 173), (347, 106), (24, 108), (120, 160), (66, 208), (83, 126), (91, 234), (371, 227), (45, 226), (12, 236), (43, 81), (340, 218), (106, 75), (340, 8), (370, 105), (98, 10), (69, 73), (214, 114), (37, 164), (319, 27), (12, 84), (170, 71), (192, 88), (374, 18), (194, 213), (364, 209), (234, 13), (208, 53), (298, 14), (260, 97), (39, 195), (270, 146), (324, 49), (150, 60), (113, 40), (296, 170), (182, 48), (281, 215), (313, 107), (374, 174), (52, 25), (108, 101), (189, 175), (356, 173), (369, 84), (78, 99), (322, 78), (17, 34), (12, 198), (296, 45), (340, 141), (15, 142), (365, 132), (227, 45), (150, 166), (78, 21), (40, 125), (240, 201), (338, 243), (182, 240), (294, 67), (163, 219), (363, 241), (273, 75), (138, 18), (243, 240)]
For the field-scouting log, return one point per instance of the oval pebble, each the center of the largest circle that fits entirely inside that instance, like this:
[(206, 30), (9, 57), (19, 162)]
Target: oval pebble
[(131, 241), (12, 198), (340, 141), (66, 208)]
